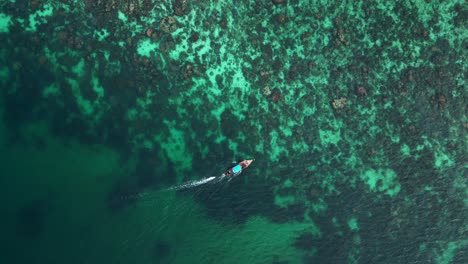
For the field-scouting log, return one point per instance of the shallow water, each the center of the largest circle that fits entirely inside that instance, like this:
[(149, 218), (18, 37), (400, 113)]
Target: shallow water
[(356, 114)]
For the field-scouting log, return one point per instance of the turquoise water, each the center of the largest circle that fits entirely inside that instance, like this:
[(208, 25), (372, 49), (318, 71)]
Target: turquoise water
[(355, 113)]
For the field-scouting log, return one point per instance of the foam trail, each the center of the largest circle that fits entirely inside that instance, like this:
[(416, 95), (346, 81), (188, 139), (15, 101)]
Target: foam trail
[(192, 184)]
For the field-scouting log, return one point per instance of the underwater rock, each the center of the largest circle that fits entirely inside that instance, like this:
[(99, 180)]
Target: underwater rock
[(180, 7), (187, 71), (361, 91), (34, 4), (281, 18), (168, 24), (339, 103), (62, 36), (340, 37), (440, 100), (266, 91), (150, 32), (265, 74), (194, 37), (277, 2), (223, 23), (276, 95)]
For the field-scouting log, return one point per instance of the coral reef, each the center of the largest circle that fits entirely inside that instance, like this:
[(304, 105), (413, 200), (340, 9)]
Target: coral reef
[(339, 103), (168, 24), (358, 111)]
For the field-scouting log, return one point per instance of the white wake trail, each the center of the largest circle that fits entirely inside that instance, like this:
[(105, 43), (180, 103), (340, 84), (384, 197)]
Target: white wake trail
[(192, 184)]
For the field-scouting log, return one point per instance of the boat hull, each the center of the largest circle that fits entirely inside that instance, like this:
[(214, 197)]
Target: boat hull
[(245, 163)]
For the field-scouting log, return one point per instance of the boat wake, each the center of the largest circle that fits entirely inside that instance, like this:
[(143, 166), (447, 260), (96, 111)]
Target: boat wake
[(192, 184)]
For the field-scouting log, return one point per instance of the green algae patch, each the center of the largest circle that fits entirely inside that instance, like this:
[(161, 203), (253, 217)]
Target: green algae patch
[(38, 17), (51, 89), (5, 22), (465, 200), (422, 247), (442, 160), (84, 104), (131, 114), (329, 137), (146, 46), (288, 183), (97, 87), (382, 180), (4, 74), (284, 201), (335, 222), (122, 16), (353, 224), (320, 206), (447, 255), (101, 34), (405, 150), (277, 146), (79, 68), (175, 147)]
